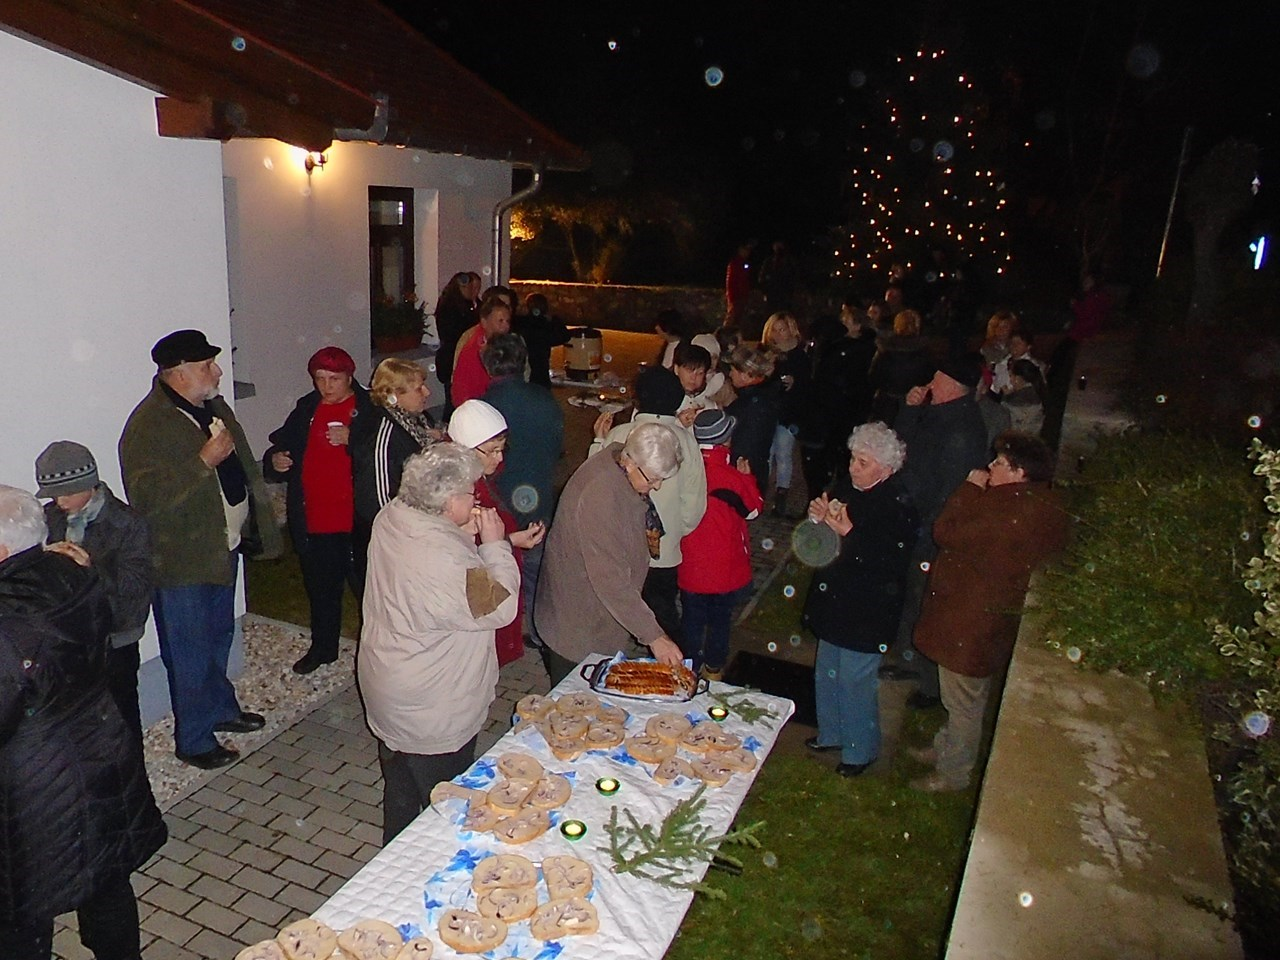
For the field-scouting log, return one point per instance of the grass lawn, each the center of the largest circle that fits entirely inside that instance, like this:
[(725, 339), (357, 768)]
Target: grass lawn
[(273, 588), (864, 868)]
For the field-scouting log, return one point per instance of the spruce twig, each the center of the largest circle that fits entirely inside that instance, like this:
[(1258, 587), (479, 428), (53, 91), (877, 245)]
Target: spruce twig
[(665, 855), (747, 709)]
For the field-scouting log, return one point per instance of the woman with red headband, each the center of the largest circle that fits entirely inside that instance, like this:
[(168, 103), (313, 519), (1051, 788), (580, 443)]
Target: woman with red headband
[(310, 454)]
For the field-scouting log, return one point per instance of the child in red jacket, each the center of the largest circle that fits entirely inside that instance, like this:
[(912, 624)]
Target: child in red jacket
[(716, 569)]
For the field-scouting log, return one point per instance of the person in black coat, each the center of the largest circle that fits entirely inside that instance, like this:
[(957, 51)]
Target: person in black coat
[(855, 601), (91, 526), (841, 393), (793, 373), (310, 452), (455, 312), (77, 816), (901, 362), (756, 407), (540, 332)]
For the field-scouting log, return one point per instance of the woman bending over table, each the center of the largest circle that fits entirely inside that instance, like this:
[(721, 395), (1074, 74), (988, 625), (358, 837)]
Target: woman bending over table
[(427, 668)]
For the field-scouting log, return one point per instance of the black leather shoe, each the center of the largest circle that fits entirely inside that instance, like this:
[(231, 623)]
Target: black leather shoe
[(219, 756), (813, 744), (922, 701), (310, 663), (245, 723), (851, 769)]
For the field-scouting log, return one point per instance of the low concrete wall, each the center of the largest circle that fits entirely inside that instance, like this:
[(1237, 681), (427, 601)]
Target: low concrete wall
[(1096, 825), (619, 307)]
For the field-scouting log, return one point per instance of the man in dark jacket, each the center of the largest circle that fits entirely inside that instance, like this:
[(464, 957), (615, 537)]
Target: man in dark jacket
[(535, 442), (946, 437), (91, 526), (189, 472), (77, 816)]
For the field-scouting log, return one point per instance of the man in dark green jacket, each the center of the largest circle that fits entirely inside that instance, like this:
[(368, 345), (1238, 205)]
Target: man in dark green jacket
[(189, 472)]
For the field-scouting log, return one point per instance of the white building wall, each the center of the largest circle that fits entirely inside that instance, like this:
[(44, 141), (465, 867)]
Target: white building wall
[(299, 253), (110, 237)]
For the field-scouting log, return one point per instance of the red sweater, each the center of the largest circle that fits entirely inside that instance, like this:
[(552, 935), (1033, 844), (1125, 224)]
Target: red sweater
[(470, 379), (717, 554)]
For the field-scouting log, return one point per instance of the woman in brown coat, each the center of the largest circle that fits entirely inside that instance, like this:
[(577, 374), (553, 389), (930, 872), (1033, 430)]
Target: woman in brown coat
[(997, 528)]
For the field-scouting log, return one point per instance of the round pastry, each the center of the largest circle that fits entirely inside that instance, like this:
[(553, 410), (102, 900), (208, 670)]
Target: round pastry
[(419, 948), (469, 932), (307, 940), (564, 918), (508, 796), (550, 792), (266, 950), (724, 741), (370, 940), (481, 818), (579, 704), (508, 904), (566, 748), (519, 766), (649, 749), (701, 737), (503, 870), (739, 759), (448, 790), (712, 772), (608, 713), (602, 736), (668, 726), (567, 877), (670, 768), (523, 827), (569, 726), (534, 707)]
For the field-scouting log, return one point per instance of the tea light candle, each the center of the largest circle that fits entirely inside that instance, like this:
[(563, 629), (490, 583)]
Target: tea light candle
[(718, 713), (607, 786), (573, 829)]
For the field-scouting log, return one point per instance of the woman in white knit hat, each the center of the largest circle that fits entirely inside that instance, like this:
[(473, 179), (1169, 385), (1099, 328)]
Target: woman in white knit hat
[(483, 428)]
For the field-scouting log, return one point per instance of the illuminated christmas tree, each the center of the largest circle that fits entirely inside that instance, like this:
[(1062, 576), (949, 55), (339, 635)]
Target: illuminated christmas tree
[(926, 186)]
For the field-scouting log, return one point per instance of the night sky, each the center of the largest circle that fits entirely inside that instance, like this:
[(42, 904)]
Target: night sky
[(1102, 89)]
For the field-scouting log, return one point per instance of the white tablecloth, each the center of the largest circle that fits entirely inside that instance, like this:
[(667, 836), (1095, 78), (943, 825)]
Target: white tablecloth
[(427, 869)]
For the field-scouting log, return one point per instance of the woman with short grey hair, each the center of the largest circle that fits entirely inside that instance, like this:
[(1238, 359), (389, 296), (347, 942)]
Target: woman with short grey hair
[(431, 478), (598, 550), (426, 664), (855, 600), (880, 443), (22, 523)]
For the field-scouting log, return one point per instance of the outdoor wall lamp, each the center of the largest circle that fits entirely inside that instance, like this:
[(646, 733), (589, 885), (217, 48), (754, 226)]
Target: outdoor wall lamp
[(314, 160)]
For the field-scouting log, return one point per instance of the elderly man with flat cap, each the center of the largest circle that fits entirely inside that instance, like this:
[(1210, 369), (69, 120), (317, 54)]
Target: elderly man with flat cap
[(189, 472)]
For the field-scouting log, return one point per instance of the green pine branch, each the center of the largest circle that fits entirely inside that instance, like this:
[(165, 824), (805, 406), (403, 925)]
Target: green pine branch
[(665, 855)]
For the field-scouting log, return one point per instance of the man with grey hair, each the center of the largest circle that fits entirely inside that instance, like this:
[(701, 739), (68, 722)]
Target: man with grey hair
[(78, 813), (189, 472), (598, 551)]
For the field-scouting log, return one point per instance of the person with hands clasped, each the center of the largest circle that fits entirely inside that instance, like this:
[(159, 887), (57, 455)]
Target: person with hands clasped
[(426, 665), (479, 426), (854, 602)]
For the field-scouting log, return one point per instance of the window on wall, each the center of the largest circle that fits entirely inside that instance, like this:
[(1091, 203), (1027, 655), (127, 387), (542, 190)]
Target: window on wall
[(391, 254)]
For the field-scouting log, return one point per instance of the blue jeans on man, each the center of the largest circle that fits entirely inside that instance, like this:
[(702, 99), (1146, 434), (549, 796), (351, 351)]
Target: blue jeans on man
[(847, 686), (196, 624)]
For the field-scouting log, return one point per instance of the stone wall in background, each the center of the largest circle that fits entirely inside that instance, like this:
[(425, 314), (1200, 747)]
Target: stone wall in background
[(619, 307)]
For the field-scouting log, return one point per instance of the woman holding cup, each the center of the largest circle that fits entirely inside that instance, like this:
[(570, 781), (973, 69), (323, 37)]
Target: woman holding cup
[(310, 453)]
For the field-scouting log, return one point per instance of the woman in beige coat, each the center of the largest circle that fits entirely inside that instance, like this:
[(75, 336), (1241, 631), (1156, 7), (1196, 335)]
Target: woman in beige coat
[(433, 599)]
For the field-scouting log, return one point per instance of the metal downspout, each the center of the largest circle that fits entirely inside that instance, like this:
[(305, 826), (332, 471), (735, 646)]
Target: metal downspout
[(534, 186)]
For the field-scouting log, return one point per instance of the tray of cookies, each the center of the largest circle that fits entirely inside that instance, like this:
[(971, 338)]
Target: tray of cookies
[(643, 679)]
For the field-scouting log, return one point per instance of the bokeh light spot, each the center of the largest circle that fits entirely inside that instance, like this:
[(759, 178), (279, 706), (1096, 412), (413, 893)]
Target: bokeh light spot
[(714, 76)]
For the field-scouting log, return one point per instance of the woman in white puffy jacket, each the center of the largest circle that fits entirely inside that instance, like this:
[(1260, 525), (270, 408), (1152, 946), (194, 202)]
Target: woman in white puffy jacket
[(433, 599)]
